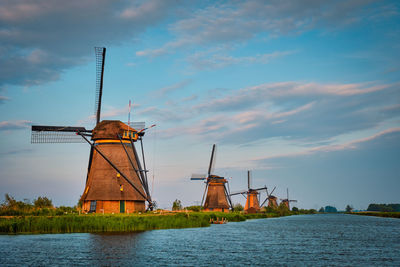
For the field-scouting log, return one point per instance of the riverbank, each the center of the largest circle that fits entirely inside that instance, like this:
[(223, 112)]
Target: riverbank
[(94, 223), (377, 214)]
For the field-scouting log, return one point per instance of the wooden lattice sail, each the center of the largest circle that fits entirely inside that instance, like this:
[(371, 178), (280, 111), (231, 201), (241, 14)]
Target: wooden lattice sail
[(116, 181), (217, 198)]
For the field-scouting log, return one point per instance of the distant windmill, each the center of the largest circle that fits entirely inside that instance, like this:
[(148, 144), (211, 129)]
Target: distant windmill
[(287, 200), (272, 200), (252, 196), (116, 181), (217, 198)]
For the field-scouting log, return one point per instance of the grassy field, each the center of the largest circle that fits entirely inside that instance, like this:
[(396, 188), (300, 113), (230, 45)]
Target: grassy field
[(116, 223), (378, 214)]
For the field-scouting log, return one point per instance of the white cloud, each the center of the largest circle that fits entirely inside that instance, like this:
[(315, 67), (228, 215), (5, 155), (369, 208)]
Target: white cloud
[(14, 125)]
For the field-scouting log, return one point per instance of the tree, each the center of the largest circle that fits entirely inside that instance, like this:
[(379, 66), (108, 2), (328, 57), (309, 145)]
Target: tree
[(349, 208), (177, 205), (283, 209), (238, 207), (295, 209), (330, 209), (43, 202), (322, 210)]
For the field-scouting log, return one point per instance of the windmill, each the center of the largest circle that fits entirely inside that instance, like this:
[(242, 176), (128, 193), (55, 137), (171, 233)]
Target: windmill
[(287, 200), (252, 199), (272, 200), (217, 198), (115, 181)]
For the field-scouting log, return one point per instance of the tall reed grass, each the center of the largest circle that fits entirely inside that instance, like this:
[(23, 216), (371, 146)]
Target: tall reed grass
[(117, 223)]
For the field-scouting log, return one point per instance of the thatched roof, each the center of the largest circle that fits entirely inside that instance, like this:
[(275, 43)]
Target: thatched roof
[(109, 129)]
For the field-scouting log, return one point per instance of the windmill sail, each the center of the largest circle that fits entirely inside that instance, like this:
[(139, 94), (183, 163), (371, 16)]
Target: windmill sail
[(57, 134), (100, 58)]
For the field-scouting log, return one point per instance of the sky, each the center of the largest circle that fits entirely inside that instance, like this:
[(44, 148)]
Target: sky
[(305, 94)]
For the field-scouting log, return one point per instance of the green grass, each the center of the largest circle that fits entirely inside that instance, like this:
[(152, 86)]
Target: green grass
[(95, 223), (99, 223), (378, 214)]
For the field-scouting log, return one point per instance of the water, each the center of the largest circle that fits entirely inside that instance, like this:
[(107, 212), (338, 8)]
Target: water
[(297, 240)]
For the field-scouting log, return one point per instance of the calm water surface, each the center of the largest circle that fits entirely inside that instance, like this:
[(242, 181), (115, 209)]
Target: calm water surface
[(297, 240)]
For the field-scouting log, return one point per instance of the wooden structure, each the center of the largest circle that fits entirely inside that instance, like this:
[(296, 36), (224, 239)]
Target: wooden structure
[(116, 181), (217, 198), (252, 196), (287, 200), (272, 200)]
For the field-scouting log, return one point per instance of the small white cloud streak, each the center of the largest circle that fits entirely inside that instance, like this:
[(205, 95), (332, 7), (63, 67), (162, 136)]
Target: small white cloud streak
[(329, 148), (203, 60)]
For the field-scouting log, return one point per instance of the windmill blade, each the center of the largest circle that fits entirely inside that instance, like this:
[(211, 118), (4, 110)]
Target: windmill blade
[(212, 160), (237, 193), (228, 196), (261, 188), (100, 59), (205, 190), (271, 192), (57, 134), (293, 200), (145, 129), (198, 176), (265, 200), (249, 179)]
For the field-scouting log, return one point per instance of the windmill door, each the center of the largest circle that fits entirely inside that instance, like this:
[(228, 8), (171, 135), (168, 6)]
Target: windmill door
[(122, 206)]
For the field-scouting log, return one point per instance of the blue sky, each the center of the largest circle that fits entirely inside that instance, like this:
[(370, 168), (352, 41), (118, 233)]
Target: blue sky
[(303, 93)]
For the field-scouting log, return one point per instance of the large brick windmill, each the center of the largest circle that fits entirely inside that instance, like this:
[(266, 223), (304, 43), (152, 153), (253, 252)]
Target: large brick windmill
[(252, 196), (116, 181), (217, 198), (287, 200)]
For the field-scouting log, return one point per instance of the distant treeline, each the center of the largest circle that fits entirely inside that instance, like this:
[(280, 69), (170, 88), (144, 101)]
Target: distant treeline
[(384, 207)]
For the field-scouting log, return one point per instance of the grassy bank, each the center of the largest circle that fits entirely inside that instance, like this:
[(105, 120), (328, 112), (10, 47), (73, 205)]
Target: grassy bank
[(116, 223), (377, 214)]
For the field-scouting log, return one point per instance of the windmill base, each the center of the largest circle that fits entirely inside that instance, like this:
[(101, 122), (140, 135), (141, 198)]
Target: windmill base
[(113, 206), (216, 210)]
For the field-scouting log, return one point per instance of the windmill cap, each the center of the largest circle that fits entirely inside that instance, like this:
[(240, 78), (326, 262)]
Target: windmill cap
[(110, 129)]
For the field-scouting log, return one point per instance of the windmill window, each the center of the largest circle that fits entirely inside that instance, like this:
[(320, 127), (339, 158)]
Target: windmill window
[(93, 204)]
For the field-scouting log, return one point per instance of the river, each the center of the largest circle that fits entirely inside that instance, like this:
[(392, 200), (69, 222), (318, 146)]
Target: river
[(312, 240)]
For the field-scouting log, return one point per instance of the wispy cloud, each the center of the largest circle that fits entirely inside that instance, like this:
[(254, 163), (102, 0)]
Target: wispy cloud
[(205, 60), (171, 88), (3, 99), (16, 151), (242, 20), (293, 110), (353, 144), (14, 125)]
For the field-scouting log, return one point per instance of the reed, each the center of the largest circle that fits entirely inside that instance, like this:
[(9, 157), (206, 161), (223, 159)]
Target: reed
[(95, 223), (99, 223)]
